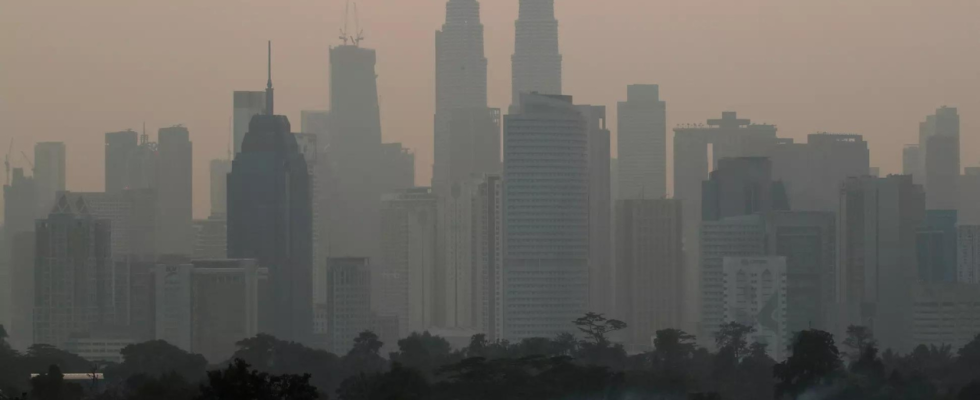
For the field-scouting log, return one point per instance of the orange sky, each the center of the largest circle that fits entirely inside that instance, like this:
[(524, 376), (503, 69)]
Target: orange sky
[(73, 70)]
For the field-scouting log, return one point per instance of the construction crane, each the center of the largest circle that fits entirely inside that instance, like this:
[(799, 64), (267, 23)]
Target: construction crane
[(28, 161), (6, 159)]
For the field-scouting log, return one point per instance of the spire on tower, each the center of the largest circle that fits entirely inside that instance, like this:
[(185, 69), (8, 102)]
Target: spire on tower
[(269, 101)]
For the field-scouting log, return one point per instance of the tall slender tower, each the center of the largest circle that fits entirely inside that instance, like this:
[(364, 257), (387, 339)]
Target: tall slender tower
[(536, 64)]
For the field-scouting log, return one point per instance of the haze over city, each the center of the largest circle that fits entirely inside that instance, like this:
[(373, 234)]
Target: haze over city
[(490, 200), (74, 70)]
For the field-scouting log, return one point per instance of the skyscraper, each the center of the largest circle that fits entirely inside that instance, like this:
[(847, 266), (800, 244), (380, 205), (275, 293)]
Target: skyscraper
[(546, 216), (742, 236), (650, 268), (270, 219), (245, 105), (755, 293), (813, 171), (407, 279), (600, 210), (941, 133), (355, 146), (49, 174), (489, 265), (72, 292), (175, 174), (968, 254), (348, 301), (119, 148), (642, 143), (741, 186), (936, 245), (536, 63), (877, 265), (219, 187)]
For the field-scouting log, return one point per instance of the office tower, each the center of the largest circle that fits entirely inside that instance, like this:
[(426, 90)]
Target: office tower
[(355, 146), (807, 241), (600, 210), (536, 63), (968, 254), (175, 172), (741, 186), (874, 172), (245, 106), (936, 247), (205, 306), (813, 171), (877, 265), (650, 269), (309, 147), (407, 278), (939, 136), (910, 161), (49, 174), (969, 197), (743, 236), (271, 173), (397, 168), (119, 148), (756, 296), (19, 202), (219, 170), (460, 210), (133, 217), (210, 238), (316, 122), (71, 269), (727, 137), (944, 314), (21, 281), (348, 301), (642, 143), (546, 215), (488, 227)]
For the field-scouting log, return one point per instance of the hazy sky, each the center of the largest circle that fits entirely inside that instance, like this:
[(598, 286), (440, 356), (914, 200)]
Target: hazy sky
[(73, 70)]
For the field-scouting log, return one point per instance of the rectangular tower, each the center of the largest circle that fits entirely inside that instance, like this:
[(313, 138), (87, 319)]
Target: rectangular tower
[(408, 281), (175, 186), (246, 104), (642, 144), (600, 210), (49, 174), (348, 301), (120, 147)]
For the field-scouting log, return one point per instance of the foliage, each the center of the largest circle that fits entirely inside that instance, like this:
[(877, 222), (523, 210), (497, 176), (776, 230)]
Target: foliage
[(814, 361), (157, 358), (239, 381)]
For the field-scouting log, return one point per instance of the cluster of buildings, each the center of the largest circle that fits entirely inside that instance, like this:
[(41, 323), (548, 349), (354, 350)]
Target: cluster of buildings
[(528, 223)]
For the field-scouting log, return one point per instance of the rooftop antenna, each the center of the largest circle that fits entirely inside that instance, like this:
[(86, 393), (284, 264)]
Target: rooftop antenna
[(343, 31), (269, 102), (144, 138), (357, 26)]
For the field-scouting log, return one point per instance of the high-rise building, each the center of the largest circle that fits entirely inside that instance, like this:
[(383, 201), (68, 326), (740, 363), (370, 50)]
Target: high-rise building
[(940, 138), (936, 247), (741, 186), (407, 281), (355, 147), (133, 215), (755, 295), (600, 210), (245, 106), (72, 285), (219, 187), (21, 281), (813, 171), (270, 173), (316, 122), (877, 263), (807, 241), (488, 227), (536, 63), (968, 254), (49, 174), (944, 314), (348, 301), (969, 197), (119, 149), (910, 161), (650, 269), (175, 175), (19, 202), (642, 144), (743, 236), (459, 248), (397, 168), (210, 238), (546, 215)]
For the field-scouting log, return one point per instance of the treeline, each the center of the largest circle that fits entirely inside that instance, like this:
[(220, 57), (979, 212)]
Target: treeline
[(567, 367)]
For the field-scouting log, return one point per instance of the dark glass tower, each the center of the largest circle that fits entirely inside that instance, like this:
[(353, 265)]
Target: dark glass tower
[(270, 219)]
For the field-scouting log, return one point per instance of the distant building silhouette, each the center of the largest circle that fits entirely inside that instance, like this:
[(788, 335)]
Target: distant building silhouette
[(939, 136), (348, 301), (650, 269), (600, 210), (642, 144), (742, 236), (175, 186), (546, 216), (536, 63), (741, 186), (407, 279), (755, 295), (813, 172), (49, 174), (968, 254), (72, 286), (134, 221), (936, 247), (245, 105), (120, 147), (219, 170), (878, 220)]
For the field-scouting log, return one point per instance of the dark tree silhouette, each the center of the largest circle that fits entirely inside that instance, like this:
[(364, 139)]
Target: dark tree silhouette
[(239, 381), (814, 361), (156, 358), (399, 383), (52, 386), (596, 327), (857, 340)]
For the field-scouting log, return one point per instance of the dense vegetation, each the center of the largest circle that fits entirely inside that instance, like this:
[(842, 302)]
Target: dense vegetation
[(568, 367)]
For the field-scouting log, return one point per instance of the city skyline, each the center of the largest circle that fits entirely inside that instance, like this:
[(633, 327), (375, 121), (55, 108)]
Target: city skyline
[(148, 78)]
